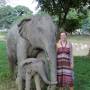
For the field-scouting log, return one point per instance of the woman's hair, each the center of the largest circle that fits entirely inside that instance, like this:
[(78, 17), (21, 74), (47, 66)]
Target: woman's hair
[(63, 32)]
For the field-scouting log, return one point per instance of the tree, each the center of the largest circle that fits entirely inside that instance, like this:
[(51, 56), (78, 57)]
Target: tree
[(21, 10), (61, 7), (74, 20), (2, 2), (71, 24), (5, 16), (8, 15), (86, 24)]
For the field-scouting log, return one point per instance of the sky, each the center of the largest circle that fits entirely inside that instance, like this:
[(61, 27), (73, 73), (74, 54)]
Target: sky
[(31, 4)]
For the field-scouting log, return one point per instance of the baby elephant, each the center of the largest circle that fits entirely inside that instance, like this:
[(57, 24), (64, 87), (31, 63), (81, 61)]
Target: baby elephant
[(32, 67)]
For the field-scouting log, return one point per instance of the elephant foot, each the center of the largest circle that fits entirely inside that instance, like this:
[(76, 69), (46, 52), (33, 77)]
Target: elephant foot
[(16, 81), (37, 82), (19, 83)]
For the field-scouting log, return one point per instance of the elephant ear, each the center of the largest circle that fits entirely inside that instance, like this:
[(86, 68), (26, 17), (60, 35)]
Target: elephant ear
[(23, 21), (21, 26)]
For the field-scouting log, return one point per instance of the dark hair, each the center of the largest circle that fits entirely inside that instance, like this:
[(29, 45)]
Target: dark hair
[(63, 32)]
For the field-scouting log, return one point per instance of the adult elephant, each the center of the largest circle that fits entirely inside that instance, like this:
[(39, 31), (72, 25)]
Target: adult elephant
[(30, 37)]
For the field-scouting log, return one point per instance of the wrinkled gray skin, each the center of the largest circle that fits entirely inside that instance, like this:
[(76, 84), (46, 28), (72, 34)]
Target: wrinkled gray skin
[(32, 67), (29, 38)]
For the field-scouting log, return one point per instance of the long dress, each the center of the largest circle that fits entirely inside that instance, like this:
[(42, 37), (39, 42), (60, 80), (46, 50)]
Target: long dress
[(64, 70)]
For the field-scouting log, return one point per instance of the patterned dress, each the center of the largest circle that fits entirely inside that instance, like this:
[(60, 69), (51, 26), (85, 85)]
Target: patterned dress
[(64, 70)]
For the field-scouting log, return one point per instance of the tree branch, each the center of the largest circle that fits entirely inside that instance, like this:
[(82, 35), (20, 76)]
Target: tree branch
[(66, 9)]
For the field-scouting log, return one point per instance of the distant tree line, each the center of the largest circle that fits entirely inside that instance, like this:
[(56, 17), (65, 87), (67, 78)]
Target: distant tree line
[(8, 15)]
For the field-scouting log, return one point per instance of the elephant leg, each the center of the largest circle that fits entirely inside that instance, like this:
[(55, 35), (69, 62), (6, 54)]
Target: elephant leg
[(21, 52), (37, 81), (28, 82), (20, 83), (12, 64)]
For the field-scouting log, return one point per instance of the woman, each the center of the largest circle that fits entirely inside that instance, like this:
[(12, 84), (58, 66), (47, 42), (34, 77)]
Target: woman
[(64, 63)]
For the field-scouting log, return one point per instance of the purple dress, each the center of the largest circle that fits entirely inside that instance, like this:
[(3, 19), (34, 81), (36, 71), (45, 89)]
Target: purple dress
[(64, 70)]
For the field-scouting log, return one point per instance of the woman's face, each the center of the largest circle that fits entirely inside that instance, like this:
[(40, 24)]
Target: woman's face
[(63, 36)]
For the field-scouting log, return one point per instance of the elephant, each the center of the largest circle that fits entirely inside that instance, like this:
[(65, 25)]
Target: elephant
[(28, 38), (32, 67)]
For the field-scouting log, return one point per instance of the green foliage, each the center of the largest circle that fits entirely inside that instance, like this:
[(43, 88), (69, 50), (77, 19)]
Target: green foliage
[(72, 14), (5, 13), (72, 21), (21, 10), (81, 68), (2, 2), (61, 7), (86, 23), (42, 13), (75, 19), (71, 25), (8, 15)]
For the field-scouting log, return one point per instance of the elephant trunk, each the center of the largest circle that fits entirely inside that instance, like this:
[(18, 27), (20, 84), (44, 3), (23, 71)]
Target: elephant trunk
[(51, 52), (44, 77)]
